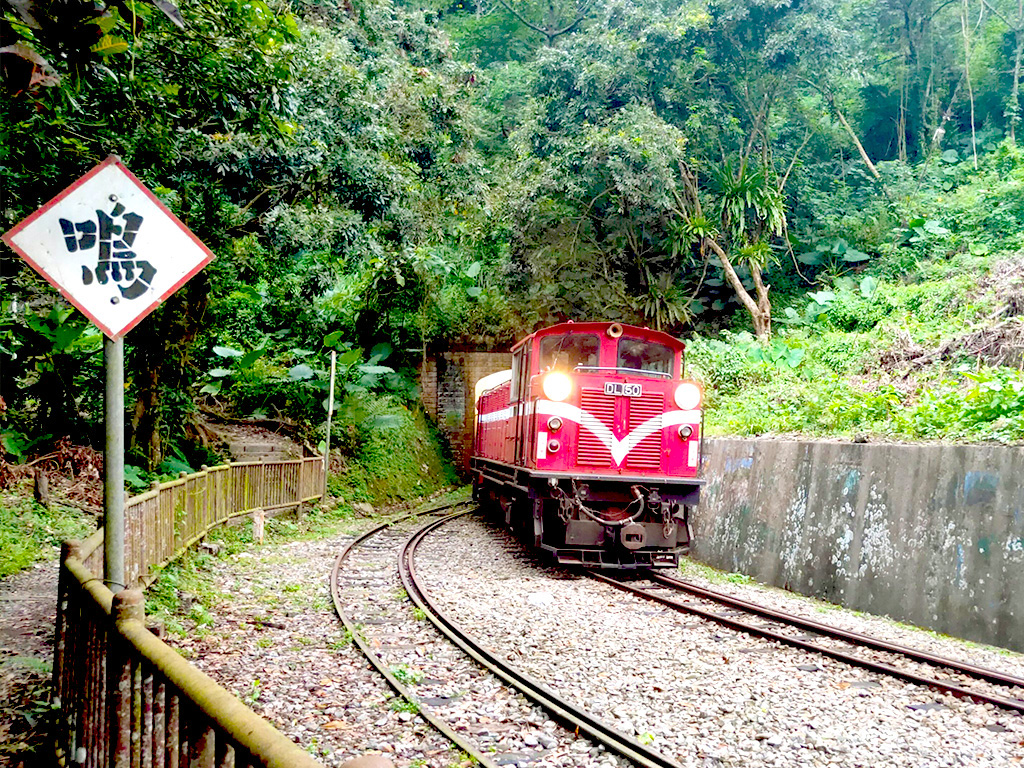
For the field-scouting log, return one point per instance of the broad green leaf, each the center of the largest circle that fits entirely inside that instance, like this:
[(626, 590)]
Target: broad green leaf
[(109, 45), (332, 338), (852, 255), (174, 466), (350, 357), (474, 291), (822, 297), (474, 270), (950, 156), (219, 373), (213, 388), (868, 286), (227, 352), (381, 351), (251, 357), (934, 227), (375, 370), (134, 477), (812, 258), (794, 357), (300, 372), (979, 249)]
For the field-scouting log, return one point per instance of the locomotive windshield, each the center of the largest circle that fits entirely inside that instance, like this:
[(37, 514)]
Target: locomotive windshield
[(569, 351), (644, 356)]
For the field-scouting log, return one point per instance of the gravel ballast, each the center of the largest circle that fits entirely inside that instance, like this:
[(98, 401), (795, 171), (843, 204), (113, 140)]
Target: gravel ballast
[(705, 695)]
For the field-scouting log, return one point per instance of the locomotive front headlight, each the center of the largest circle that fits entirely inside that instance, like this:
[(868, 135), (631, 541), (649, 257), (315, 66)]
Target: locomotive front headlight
[(554, 424), (688, 396), (685, 431), (557, 386)]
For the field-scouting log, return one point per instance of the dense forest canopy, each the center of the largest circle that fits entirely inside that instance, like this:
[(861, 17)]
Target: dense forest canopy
[(384, 178)]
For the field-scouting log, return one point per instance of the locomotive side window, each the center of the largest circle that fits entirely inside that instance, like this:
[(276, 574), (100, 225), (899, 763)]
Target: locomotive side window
[(517, 372), (569, 351), (644, 356)]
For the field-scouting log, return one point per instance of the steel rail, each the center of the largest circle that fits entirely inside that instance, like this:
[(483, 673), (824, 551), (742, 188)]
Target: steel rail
[(577, 719), (436, 723), (1015, 705), (982, 673)]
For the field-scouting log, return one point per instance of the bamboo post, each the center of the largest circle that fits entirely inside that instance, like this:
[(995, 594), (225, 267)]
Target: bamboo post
[(128, 604), (330, 412)]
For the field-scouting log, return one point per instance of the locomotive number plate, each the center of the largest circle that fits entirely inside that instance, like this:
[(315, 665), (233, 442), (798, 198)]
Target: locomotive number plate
[(618, 388)]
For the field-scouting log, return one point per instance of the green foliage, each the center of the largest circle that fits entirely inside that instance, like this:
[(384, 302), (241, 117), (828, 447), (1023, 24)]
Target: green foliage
[(391, 453), (29, 532)]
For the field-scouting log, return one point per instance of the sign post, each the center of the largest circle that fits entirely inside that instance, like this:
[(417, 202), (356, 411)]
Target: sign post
[(113, 465), (115, 252)]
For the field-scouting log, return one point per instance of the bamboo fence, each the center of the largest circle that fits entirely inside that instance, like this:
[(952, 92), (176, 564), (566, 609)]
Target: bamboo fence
[(125, 698)]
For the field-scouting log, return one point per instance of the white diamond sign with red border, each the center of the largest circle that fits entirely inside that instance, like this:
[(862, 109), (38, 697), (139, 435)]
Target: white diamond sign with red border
[(110, 247)]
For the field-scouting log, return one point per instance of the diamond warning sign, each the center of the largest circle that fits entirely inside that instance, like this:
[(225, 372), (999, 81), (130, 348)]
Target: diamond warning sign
[(110, 247)]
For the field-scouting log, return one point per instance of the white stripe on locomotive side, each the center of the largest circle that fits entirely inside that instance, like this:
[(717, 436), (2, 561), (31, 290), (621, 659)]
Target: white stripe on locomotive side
[(620, 449)]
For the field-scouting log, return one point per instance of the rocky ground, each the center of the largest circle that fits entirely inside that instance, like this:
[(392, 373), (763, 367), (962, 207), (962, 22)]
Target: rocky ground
[(707, 696), (263, 626), (28, 604)]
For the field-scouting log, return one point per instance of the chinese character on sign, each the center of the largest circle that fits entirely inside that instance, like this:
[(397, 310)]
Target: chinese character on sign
[(122, 268), (110, 247)]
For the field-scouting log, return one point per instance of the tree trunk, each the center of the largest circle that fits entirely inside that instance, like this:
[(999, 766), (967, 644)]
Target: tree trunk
[(162, 365), (1014, 105), (760, 310), (856, 142)]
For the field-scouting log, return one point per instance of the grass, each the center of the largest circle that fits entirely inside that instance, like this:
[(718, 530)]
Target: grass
[(696, 569), (30, 533)]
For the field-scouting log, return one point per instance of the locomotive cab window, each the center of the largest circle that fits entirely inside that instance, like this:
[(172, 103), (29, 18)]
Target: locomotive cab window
[(569, 351), (644, 357)]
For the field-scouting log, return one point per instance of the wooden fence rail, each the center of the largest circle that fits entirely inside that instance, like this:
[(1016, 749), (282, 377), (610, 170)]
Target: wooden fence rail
[(125, 698)]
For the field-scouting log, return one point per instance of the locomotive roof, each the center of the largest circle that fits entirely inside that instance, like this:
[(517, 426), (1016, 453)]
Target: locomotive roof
[(633, 331)]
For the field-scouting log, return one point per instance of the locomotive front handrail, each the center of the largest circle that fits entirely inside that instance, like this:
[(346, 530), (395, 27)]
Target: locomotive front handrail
[(622, 370)]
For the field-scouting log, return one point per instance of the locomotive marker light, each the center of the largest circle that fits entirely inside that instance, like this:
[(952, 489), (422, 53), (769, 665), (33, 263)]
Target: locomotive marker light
[(115, 252)]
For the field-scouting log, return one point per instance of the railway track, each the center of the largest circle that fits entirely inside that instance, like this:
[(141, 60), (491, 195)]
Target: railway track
[(574, 718), (379, 627), (373, 559), (942, 674)]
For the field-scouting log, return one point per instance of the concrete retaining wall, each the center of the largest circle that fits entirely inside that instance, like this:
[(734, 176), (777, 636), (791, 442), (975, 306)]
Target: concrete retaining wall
[(930, 535)]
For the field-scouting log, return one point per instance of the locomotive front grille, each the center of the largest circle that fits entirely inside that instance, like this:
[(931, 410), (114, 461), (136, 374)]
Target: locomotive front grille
[(591, 451), (646, 455)]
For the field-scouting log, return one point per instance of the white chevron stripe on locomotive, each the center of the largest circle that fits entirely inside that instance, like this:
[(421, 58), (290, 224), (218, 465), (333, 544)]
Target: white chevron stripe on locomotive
[(619, 448)]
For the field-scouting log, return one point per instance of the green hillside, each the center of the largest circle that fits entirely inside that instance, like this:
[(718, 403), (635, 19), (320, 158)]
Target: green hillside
[(824, 197)]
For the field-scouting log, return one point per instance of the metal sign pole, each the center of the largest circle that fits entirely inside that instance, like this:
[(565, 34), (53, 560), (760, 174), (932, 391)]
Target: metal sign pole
[(330, 411), (113, 465)]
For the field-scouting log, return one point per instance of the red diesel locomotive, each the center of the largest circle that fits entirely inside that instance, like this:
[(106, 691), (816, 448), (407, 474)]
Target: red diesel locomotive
[(591, 444)]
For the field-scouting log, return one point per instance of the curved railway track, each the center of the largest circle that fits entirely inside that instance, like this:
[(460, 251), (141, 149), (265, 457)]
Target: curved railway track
[(391, 547), (569, 714), (989, 686), (577, 723), (375, 659)]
